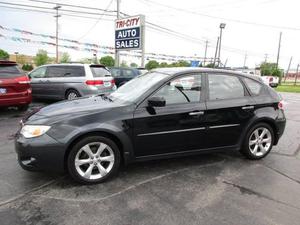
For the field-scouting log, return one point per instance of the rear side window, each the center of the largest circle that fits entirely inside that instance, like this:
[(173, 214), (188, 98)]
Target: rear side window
[(7, 71), (65, 71), (224, 87), (254, 87), (115, 72), (128, 73), (100, 72)]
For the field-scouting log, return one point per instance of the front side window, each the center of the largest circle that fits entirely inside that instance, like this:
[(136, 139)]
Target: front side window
[(39, 72), (128, 73), (181, 90), (115, 72), (224, 87)]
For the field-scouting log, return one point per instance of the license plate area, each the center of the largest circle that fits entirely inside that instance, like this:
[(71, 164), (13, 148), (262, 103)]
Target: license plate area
[(106, 84), (3, 90)]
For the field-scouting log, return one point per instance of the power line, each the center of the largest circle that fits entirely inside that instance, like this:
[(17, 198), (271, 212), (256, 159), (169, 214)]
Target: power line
[(75, 6), (99, 19), (52, 13), (47, 8), (224, 18)]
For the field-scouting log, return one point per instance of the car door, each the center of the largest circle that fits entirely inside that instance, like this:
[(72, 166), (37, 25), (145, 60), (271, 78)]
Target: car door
[(229, 109), (176, 127), (55, 81), (117, 74), (37, 81)]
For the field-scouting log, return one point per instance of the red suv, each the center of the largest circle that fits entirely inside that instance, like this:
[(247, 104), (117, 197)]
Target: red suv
[(15, 89)]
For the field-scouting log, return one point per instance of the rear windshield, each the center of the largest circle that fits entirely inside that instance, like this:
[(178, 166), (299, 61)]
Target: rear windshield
[(9, 71), (100, 72)]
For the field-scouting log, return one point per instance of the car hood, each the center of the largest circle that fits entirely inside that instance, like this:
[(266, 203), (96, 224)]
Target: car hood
[(73, 108)]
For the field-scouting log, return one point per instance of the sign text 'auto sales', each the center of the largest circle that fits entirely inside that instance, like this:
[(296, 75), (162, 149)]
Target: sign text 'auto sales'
[(129, 33)]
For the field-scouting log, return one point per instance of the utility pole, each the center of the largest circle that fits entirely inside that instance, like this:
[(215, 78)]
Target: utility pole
[(266, 57), (217, 46), (245, 59), (222, 26), (117, 54), (278, 52), (296, 74), (205, 52), (57, 7), (288, 69)]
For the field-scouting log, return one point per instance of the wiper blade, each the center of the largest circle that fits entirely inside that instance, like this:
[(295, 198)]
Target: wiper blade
[(105, 97)]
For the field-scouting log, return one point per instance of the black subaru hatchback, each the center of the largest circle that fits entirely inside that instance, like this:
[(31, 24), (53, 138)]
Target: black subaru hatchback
[(164, 113)]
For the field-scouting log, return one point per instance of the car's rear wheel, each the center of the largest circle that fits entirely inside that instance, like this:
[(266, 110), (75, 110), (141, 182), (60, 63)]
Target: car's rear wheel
[(258, 141), (72, 94), (93, 160)]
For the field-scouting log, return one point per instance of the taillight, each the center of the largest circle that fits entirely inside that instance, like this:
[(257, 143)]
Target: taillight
[(22, 80), (94, 82), (271, 79), (113, 81), (280, 105)]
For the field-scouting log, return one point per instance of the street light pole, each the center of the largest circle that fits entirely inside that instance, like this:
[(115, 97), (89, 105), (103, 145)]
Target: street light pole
[(57, 7), (222, 26), (117, 55), (206, 43)]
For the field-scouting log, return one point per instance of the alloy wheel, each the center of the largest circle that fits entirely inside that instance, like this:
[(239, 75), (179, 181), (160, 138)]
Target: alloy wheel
[(94, 160), (72, 95), (260, 141)]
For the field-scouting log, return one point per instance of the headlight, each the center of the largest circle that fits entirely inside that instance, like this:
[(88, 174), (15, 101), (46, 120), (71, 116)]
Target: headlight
[(29, 131)]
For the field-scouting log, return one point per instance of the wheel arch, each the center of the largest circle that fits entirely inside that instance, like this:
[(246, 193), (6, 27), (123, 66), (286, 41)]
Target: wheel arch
[(266, 120), (115, 138)]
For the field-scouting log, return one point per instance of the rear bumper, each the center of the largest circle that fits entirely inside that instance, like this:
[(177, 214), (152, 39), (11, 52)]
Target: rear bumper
[(280, 125), (95, 91), (13, 100), (40, 154)]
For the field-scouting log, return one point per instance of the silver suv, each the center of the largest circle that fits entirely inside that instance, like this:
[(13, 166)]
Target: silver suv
[(69, 81)]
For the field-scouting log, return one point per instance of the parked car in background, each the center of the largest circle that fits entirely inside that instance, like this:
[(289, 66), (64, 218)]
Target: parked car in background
[(165, 113), (15, 87), (272, 81), (123, 74), (69, 81), (142, 70)]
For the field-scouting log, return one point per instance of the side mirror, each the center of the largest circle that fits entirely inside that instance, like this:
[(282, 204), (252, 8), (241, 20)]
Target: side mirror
[(156, 102)]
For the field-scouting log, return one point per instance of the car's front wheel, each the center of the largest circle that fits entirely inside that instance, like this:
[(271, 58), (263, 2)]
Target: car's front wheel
[(93, 160), (258, 142)]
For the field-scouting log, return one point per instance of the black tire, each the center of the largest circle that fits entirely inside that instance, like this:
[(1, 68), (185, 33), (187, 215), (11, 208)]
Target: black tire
[(72, 92), (77, 147), (245, 150), (23, 107)]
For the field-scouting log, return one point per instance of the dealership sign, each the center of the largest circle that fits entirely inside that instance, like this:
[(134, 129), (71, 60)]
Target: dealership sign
[(129, 33)]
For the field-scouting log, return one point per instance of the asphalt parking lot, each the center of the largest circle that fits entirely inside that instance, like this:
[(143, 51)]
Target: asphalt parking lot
[(219, 188)]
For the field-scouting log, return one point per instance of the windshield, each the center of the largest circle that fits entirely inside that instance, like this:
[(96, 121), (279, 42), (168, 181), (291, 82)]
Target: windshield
[(133, 89)]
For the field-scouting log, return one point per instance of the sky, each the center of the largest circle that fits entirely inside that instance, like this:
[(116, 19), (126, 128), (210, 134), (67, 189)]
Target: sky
[(252, 28)]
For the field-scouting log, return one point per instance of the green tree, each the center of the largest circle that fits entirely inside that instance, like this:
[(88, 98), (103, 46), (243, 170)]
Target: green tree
[(124, 64), (152, 64), (134, 65), (163, 65), (41, 58), (107, 61), (270, 69), (65, 58), (4, 54), (210, 65), (27, 67)]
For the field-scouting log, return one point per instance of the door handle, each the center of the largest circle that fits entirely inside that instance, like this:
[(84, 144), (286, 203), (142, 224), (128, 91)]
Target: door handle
[(248, 107), (196, 113)]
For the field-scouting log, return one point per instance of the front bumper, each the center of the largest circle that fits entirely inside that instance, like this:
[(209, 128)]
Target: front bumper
[(40, 153)]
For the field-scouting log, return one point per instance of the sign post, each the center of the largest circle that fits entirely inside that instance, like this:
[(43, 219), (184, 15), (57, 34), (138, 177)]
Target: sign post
[(130, 34)]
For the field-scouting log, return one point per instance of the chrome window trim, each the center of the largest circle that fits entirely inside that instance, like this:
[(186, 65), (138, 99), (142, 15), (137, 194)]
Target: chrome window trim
[(172, 131), (222, 126)]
